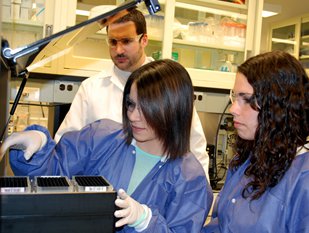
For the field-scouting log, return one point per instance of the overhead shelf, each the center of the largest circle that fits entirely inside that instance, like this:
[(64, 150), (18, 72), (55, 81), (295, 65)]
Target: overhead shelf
[(284, 41), (303, 57), (205, 45), (22, 25), (23, 22), (215, 11)]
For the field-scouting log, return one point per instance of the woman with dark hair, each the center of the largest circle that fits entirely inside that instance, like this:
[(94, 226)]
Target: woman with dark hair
[(165, 97), (148, 157), (267, 186)]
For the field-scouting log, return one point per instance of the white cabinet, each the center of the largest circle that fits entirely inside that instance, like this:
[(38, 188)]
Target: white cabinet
[(304, 42), (35, 19), (203, 35), (211, 36), (22, 21), (292, 36), (26, 21), (285, 36), (185, 31)]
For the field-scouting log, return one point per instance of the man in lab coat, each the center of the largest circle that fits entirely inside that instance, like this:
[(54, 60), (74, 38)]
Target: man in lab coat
[(100, 96)]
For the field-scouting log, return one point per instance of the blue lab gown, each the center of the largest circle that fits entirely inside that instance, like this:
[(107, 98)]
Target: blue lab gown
[(281, 209), (176, 191)]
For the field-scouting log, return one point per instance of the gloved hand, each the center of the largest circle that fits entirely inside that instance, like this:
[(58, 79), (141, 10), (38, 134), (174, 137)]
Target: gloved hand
[(132, 213), (29, 141)]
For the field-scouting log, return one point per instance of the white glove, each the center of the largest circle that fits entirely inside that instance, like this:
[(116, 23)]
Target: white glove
[(29, 141), (132, 213)]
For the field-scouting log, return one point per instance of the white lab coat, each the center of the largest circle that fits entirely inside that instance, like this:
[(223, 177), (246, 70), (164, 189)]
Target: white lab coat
[(100, 97)]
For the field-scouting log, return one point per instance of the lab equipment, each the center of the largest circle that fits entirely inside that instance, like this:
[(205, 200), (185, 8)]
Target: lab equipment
[(56, 204)]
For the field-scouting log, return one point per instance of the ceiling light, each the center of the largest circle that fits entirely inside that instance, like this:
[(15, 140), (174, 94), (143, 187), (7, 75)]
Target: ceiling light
[(82, 12), (270, 10), (266, 14)]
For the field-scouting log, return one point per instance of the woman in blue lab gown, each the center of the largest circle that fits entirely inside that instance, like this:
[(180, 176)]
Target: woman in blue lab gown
[(267, 185), (157, 115)]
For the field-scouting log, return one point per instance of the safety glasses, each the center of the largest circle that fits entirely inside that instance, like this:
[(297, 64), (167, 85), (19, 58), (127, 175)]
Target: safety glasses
[(125, 42)]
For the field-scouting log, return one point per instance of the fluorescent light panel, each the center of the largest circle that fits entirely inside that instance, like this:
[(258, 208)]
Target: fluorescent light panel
[(82, 12), (266, 14), (270, 10)]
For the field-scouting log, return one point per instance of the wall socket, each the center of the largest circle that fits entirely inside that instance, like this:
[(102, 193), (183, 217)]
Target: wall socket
[(210, 102), (64, 91)]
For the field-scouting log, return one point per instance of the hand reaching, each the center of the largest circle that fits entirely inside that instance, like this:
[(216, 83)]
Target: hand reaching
[(132, 213), (29, 141)]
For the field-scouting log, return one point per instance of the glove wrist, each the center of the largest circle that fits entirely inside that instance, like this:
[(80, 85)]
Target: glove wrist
[(43, 137), (143, 221)]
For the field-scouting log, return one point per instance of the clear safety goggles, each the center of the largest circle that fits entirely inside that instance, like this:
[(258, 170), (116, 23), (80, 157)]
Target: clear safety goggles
[(125, 42), (131, 105), (241, 98)]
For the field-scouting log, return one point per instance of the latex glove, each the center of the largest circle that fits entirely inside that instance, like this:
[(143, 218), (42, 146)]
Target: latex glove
[(132, 213), (29, 141)]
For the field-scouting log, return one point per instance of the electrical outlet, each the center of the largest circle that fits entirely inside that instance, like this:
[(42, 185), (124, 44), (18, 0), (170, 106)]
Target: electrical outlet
[(199, 100), (64, 91), (210, 101)]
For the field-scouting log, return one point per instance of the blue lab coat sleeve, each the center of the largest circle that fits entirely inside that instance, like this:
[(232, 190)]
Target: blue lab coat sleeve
[(183, 209), (80, 152), (298, 208), (283, 208), (176, 191)]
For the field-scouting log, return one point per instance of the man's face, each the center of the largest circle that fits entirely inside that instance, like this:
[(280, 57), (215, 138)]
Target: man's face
[(126, 48)]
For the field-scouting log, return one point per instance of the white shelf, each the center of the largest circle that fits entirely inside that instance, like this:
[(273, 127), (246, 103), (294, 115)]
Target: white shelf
[(304, 44), (205, 45), (21, 25), (304, 57), (217, 3), (190, 6), (305, 37), (211, 78), (283, 41), (23, 22)]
